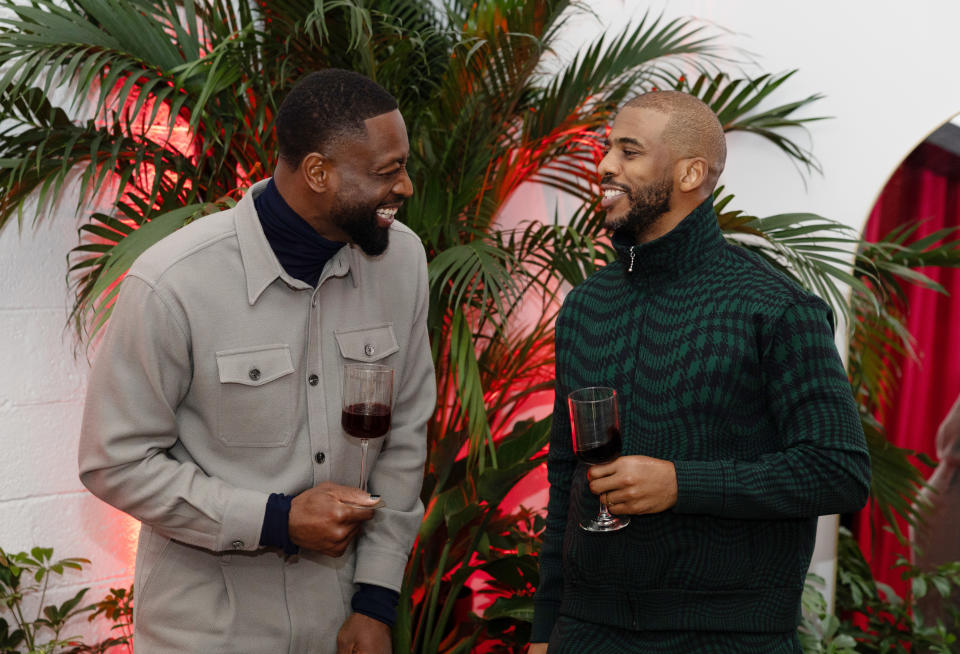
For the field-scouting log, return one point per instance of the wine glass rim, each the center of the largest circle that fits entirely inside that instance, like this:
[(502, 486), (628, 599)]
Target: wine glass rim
[(367, 366), (605, 398)]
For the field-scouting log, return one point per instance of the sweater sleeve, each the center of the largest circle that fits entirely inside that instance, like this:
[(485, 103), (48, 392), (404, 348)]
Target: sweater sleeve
[(141, 374), (823, 466), (561, 464)]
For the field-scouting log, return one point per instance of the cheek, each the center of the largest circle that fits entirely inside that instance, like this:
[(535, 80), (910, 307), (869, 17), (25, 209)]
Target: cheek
[(373, 191), (637, 172), (357, 194), (649, 173)]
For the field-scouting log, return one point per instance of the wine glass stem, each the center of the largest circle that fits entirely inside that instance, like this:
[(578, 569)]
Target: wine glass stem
[(604, 514), (364, 443)]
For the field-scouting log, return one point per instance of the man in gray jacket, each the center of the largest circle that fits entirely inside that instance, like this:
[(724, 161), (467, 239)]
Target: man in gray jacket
[(213, 408)]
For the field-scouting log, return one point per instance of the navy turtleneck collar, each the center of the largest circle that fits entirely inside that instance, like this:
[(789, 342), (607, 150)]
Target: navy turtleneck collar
[(686, 247), (300, 250)]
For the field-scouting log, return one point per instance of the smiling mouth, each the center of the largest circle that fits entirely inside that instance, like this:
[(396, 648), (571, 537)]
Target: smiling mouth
[(611, 195), (386, 216)]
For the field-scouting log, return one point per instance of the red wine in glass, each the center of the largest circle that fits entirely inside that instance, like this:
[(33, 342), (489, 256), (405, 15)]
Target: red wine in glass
[(603, 452), (367, 406), (366, 420), (595, 423)]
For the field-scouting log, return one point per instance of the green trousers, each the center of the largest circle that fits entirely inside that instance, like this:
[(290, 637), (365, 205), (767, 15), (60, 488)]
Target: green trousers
[(574, 637)]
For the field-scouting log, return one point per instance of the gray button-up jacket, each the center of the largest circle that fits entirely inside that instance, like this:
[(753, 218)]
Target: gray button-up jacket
[(217, 383)]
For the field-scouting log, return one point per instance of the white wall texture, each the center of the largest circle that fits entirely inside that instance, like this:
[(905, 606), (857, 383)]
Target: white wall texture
[(42, 503), (885, 68)]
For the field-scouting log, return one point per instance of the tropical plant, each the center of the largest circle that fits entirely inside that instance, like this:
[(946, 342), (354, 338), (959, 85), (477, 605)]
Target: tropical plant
[(25, 576), (163, 110), (870, 616)]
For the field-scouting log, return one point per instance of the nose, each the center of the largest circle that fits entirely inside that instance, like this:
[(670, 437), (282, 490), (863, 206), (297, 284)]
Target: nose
[(403, 187), (607, 166)]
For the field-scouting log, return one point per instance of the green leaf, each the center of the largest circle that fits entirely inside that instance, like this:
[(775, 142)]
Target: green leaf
[(67, 608), (513, 571), (737, 105), (10, 639), (495, 483), (42, 554), (942, 585), (527, 439), (517, 608), (845, 641), (919, 587)]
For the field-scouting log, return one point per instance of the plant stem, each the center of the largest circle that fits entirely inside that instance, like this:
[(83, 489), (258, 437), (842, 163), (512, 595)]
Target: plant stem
[(460, 578), (23, 624), (427, 626)]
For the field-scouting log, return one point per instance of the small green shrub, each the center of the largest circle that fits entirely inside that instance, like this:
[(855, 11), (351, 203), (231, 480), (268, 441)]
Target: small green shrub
[(24, 574), (870, 617)]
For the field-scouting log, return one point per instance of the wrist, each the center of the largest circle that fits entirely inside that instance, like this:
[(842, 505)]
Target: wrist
[(276, 524), (376, 602)]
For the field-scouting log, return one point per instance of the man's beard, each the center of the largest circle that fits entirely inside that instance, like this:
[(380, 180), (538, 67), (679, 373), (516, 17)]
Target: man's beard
[(360, 224), (647, 204)]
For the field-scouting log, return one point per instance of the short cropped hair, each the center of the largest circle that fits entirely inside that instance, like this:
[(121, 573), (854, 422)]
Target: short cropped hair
[(326, 106), (692, 129)]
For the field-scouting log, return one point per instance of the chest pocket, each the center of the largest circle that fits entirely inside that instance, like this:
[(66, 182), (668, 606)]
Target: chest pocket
[(367, 344), (257, 392)]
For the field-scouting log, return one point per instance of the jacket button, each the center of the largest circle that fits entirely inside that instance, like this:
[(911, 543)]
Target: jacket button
[(320, 457), (313, 379), (254, 374), (369, 349), (237, 544)]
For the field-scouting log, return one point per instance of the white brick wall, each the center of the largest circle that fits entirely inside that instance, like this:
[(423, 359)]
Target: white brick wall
[(42, 503)]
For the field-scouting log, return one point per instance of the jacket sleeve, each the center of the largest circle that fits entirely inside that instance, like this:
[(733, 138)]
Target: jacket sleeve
[(141, 373), (384, 545), (823, 466), (561, 465)]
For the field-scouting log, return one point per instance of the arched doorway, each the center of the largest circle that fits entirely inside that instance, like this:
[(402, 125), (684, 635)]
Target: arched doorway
[(924, 189)]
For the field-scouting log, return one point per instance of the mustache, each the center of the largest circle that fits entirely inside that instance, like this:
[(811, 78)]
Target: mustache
[(605, 180), (398, 199)]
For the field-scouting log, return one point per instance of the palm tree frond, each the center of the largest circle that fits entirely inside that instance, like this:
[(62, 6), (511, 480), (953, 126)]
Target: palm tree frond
[(99, 287), (735, 101)]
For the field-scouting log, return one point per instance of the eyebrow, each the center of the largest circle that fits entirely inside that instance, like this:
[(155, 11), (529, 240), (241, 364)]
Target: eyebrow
[(402, 160), (621, 141)]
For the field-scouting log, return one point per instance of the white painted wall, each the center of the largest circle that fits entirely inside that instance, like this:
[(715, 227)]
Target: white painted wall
[(42, 503), (885, 67)]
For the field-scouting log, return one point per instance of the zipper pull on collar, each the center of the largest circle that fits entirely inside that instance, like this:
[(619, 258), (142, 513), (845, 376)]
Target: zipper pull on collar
[(632, 255)]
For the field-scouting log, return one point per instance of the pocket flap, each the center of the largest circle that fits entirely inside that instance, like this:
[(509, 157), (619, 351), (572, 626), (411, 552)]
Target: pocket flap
[(254, 366), (367, 343)]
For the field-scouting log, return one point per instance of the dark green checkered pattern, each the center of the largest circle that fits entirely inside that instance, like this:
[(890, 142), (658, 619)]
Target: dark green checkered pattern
[(575, 637), (729, 369)]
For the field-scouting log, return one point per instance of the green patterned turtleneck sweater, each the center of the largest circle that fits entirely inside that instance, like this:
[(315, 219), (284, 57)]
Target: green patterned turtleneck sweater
[(729, 369)]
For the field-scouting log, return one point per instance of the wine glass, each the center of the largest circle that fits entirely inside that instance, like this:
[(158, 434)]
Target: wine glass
[(596, 439), (367, 406)]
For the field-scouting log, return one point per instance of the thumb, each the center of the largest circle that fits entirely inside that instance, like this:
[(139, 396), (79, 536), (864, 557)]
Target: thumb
[(356, 496)]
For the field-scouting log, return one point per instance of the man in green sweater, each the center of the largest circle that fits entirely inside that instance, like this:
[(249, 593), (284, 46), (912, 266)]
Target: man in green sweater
[(738, 424)]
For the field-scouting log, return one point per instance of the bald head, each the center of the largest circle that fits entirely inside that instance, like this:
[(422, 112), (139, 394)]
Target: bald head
[(692, 128)]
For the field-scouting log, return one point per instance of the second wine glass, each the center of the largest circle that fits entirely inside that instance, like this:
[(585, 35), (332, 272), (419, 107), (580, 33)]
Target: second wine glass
[(595, 423)]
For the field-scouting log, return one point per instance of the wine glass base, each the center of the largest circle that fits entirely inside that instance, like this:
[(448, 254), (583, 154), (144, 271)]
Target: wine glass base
[(603, 523)]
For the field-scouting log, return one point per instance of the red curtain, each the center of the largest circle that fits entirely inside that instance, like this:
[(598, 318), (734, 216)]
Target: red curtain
[(925, 187)]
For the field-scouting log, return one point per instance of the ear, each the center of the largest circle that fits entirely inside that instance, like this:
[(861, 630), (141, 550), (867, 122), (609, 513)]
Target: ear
[(692, 173), (317, 172)]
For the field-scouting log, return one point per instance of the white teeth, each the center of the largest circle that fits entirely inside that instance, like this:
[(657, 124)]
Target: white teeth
[(387, 213), (611, 192)]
